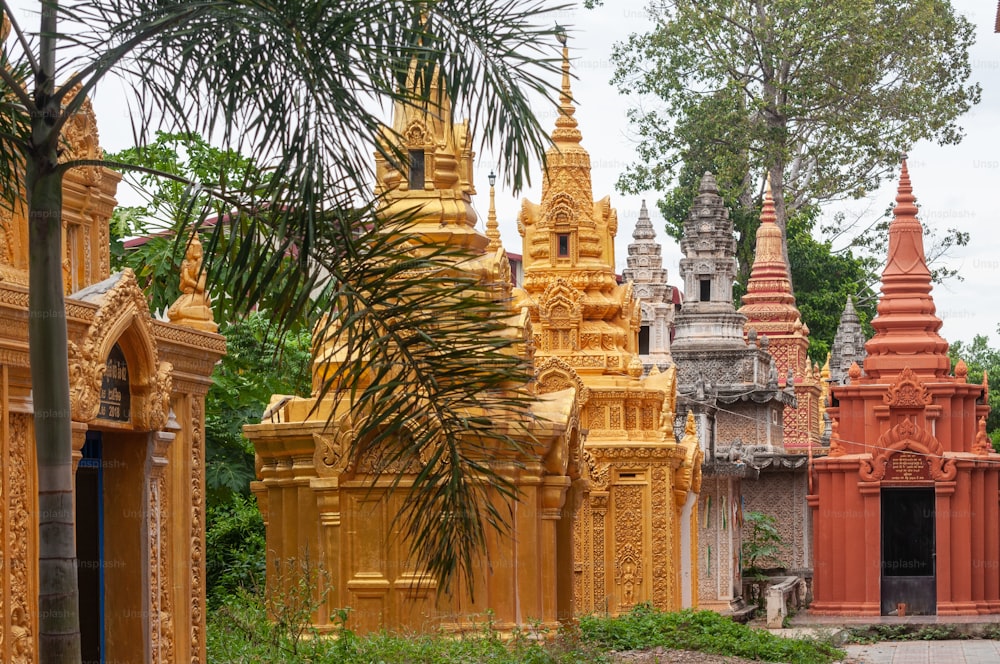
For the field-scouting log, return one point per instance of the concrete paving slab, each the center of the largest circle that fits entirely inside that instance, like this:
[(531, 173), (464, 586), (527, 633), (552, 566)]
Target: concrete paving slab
[(927, 652)]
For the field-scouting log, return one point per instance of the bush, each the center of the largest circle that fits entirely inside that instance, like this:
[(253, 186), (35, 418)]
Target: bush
[(705, 631), (234, 545)]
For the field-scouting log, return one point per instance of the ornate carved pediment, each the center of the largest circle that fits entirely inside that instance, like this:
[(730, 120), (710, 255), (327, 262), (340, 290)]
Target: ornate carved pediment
[(80, 138), (560, 210), (122, 317), (907, 392), (907, 436), (560, 304), (415, 135), (554, 374)]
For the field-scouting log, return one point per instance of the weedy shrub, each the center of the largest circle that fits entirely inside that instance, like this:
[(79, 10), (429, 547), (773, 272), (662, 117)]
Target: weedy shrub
[(247, 628), (705, 631)]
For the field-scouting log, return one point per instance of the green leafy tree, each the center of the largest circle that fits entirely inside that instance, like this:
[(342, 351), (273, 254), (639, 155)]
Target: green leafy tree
[(172, 205), (823, 97), (824, 279), (981, 358), (297, 84), (260, 361)]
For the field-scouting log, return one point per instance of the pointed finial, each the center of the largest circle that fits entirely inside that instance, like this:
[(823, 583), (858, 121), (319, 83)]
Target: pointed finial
[(492, 227), (644, 225), (906, 324), (708, 184), (566, 125), (905, 200), (768, 215)]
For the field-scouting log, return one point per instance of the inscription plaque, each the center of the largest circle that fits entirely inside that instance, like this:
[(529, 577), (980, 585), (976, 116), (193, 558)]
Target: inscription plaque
[(115, 395), (907, 467)]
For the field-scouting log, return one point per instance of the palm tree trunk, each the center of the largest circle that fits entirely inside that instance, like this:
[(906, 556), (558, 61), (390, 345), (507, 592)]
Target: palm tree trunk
[(59, 625), (58, 603)]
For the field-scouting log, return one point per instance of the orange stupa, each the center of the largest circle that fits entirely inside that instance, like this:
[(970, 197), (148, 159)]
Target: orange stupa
[(769, 306), (905, 506), (906, 329)]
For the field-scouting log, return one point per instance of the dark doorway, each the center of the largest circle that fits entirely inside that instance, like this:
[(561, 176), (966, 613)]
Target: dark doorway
[(90, 549), (644, 340), (909, 579), (705, 288)]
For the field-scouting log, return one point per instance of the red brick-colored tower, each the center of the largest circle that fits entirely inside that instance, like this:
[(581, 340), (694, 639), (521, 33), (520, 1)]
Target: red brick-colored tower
[(769, 306), (906, 504)]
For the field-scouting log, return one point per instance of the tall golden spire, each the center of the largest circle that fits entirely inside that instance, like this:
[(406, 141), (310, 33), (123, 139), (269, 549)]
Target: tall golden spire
[(492, 227), (568, 232), (566, 126)]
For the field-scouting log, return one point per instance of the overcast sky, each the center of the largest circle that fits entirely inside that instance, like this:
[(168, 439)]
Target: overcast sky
[(955, 185)]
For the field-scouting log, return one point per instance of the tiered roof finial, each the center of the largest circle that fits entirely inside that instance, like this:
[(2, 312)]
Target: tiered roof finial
[(566, 125), (644, 225), (906, 329), (848, 343), (769, 283)]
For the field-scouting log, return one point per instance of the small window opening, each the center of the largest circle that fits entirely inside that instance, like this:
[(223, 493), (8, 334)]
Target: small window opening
[(563, 239), (644, 340), (706, 290), (416, 169)]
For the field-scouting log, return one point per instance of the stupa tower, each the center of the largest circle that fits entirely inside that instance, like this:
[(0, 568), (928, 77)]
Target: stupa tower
[(906, 329), (708, 320), (769, 306), (580, 312), (649, 278), (908, 479), (636, 535), (848, 344)]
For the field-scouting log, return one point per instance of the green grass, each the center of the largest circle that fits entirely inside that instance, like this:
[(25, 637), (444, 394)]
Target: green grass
[(240, 631)]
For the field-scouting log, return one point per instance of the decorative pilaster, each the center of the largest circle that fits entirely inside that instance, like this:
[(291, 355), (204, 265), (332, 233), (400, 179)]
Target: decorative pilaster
[(197, 533), (161, 614), (20, 639)]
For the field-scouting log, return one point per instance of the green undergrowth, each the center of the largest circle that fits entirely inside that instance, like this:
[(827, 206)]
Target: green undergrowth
[(241, 631), (705, 631)]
